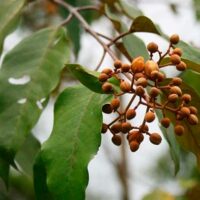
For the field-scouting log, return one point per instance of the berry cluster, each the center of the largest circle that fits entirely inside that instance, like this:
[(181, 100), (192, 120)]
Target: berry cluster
[(144, 79)]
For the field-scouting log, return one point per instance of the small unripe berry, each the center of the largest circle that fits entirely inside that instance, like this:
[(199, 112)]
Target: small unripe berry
[(134, 146), (116, 128), (117, 64), (154, 92), (177, 51), (116, 139), (154, 75), (155, 138), (181, 66), (185, 111), (107, 71), (107, 87), (137, 64), (173, 98), (125, 68), (165, 122), (107, 108), (130, 114), (175, 59), (186, 98), (193, 119), (193, 110), (174, 39), (144, 128), (139, 91), (150, 66), (135, 135), (138, 75), (115, 103), (152, 47), (126, 127), (142, 81), (103, 77), (179, 130), (161, 77), (104, 128), (179, 116), (176, 81), (125, 86), (175, 90), (149, 116)]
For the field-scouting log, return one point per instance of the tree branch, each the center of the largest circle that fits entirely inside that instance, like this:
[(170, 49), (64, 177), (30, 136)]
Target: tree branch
[(86, 26)]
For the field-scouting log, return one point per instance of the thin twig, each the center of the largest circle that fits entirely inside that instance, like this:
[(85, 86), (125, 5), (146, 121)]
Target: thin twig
[(104, 36), (67, 20), (89, 7), (162, 56), (101, 61), (86, 26), (118, 37), (130, 102)]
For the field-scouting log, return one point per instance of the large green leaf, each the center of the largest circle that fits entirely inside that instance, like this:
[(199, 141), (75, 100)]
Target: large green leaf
[(86, 77), (74, 141), (113, 17), (135, 46), (191, 55), (4, 170), (90, 78), (174, 147), (41, 57), (9, 16), (129, 10), (144, 24), (191, 140), (26, 155)]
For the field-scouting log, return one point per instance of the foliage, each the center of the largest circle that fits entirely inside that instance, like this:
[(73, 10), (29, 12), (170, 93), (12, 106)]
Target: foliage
[(44, 58)]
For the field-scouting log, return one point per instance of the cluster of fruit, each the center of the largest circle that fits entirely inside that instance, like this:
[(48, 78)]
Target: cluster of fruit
[(145, 79)]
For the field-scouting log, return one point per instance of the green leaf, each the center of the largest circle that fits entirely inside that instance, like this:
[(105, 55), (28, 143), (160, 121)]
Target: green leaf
[(41, 57), (86, 77), (74, 141), (173, 145), (120, 46), (191, 55), (26, 155), (144, 24), (192, 79), (129, 10), (4, 170), (197, 8), (135, 46), (9, 17), (113, 17), (90, 78), (191, 140)]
